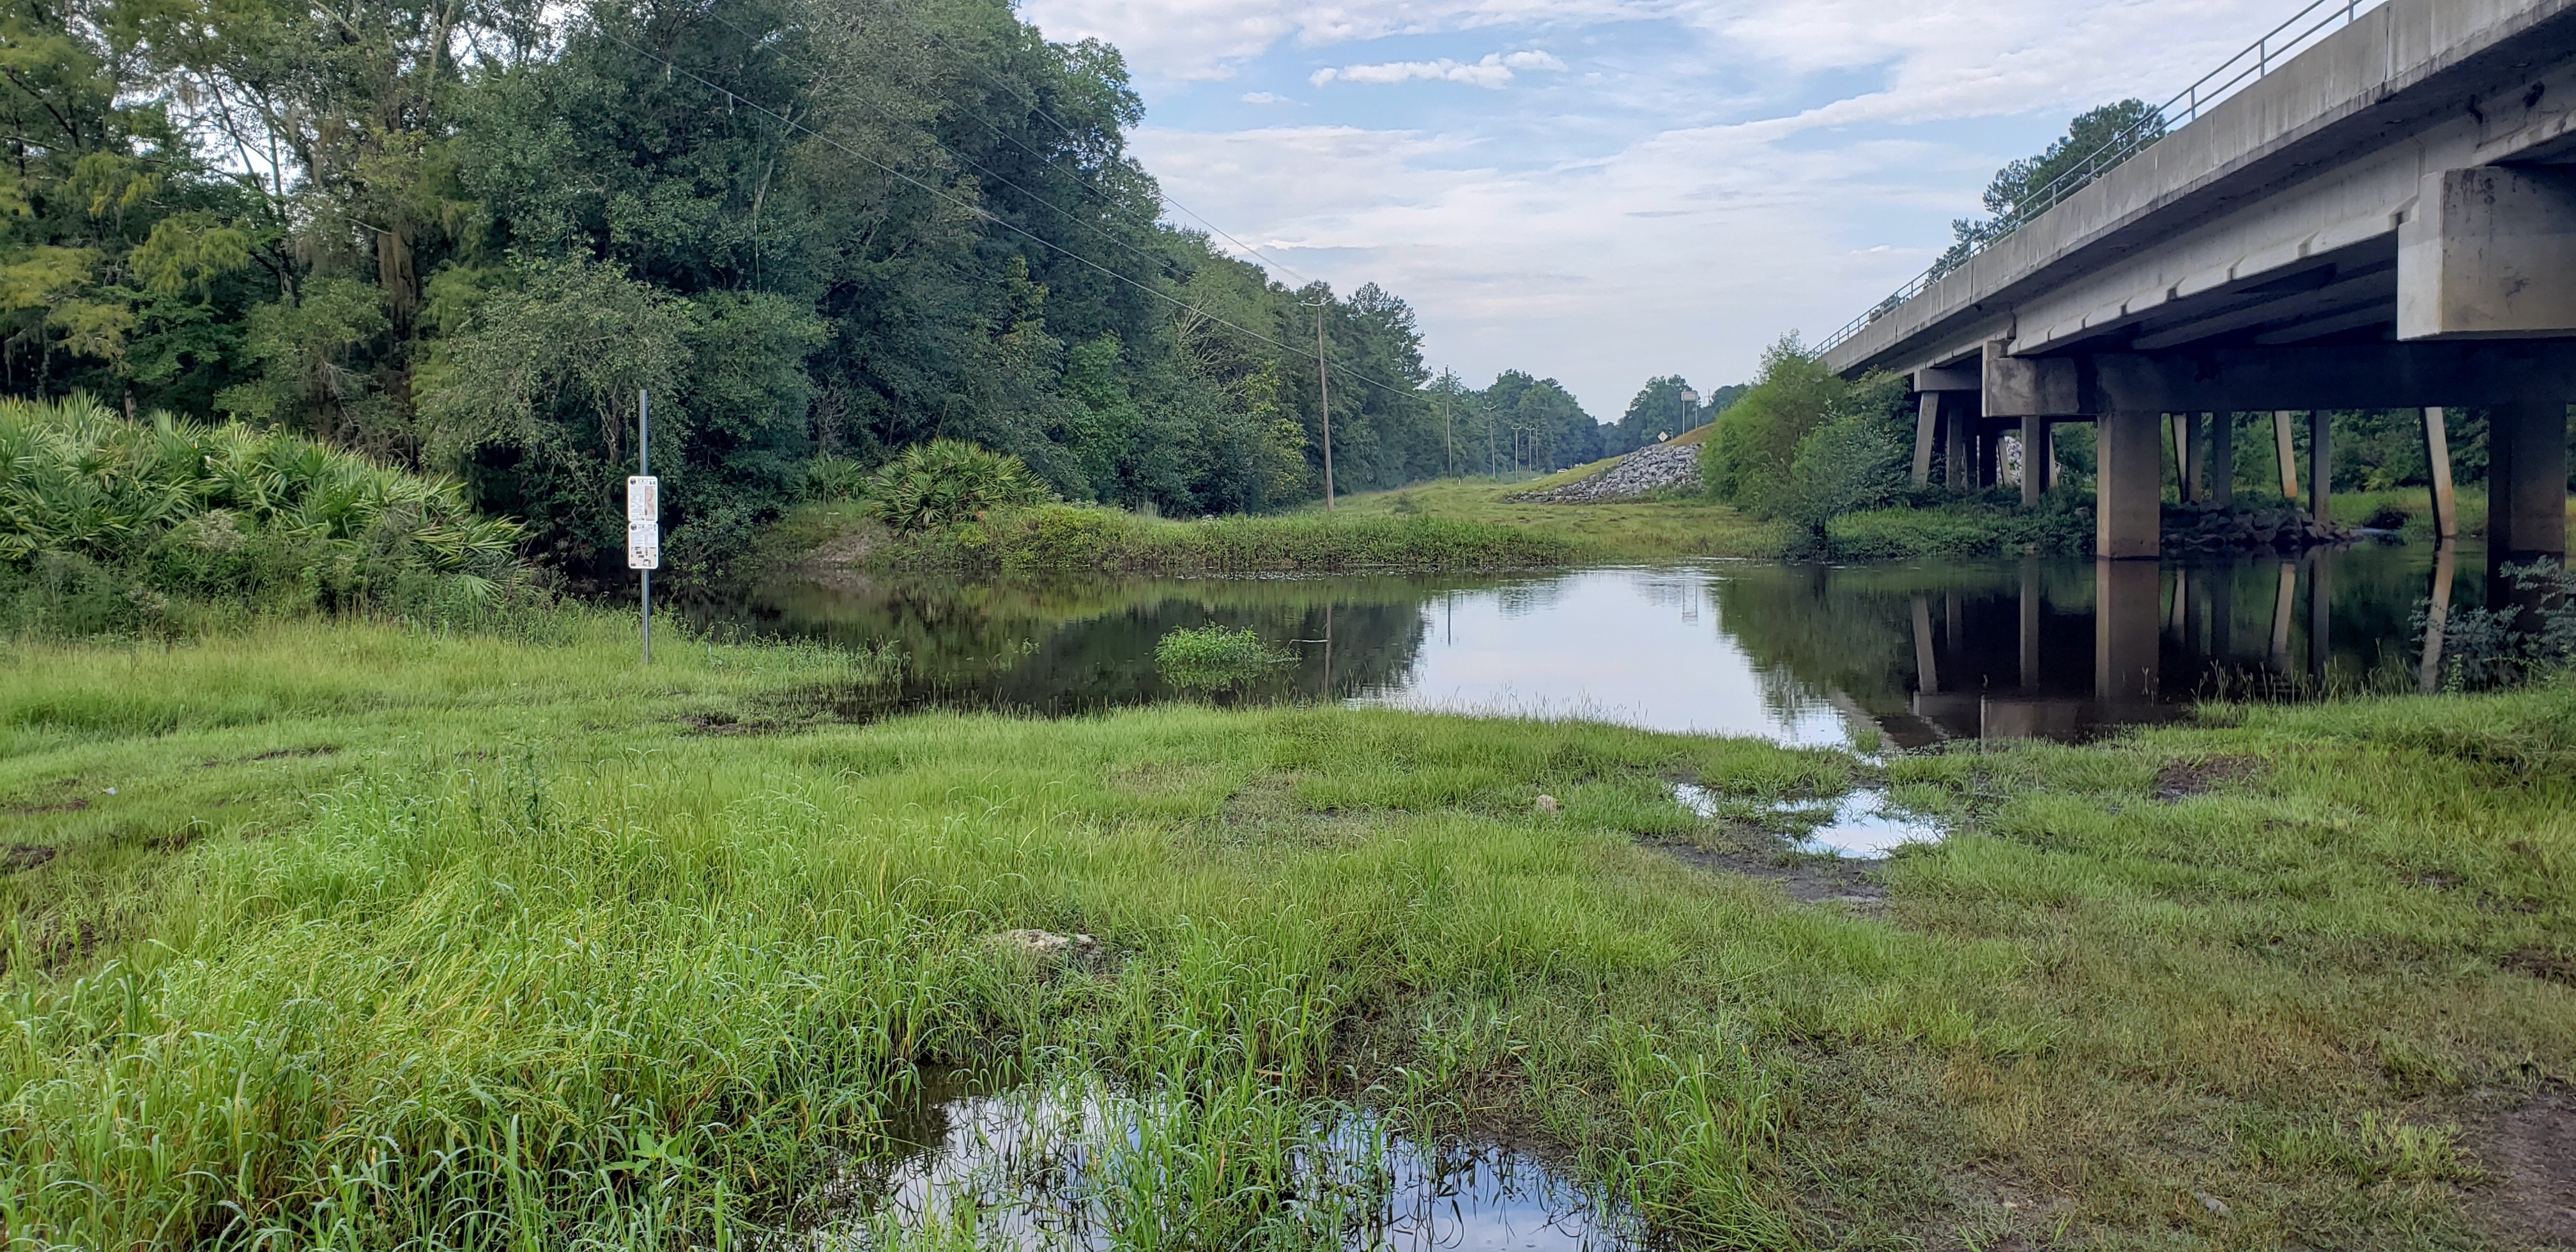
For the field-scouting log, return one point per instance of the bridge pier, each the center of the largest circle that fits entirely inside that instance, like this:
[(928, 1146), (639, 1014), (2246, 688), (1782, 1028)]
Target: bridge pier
[(2526, 493), (2222, 459), (2128, 486)]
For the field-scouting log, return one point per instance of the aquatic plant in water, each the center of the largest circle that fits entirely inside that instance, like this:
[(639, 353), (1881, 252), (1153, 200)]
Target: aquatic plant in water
[(1210, 658)]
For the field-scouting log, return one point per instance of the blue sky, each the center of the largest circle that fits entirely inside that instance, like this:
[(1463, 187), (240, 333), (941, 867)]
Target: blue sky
[(1605, 190)]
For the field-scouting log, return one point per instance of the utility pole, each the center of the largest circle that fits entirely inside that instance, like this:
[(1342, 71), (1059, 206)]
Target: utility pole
[(1324, 393), (1446, 438)]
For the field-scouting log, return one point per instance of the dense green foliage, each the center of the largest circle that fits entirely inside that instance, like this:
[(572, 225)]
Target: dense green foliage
[(463, 239), (1803, 445), (103, 521)]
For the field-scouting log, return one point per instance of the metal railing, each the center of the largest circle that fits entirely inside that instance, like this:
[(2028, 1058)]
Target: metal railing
[(2305, 27)]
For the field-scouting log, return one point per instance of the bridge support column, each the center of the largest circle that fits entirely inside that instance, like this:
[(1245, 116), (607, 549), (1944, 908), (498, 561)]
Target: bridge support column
[(2526, 493), (2036, 460), (2222, 459), (2320, 465), (1927, 423), (2437, 458), (1990, 447), (2289, 457), (2128, 489), (1959, 454)]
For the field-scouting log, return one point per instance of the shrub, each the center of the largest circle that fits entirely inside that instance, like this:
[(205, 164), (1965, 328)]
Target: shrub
[(947, 481), (97, 510), (1212, 657), (835, 478)]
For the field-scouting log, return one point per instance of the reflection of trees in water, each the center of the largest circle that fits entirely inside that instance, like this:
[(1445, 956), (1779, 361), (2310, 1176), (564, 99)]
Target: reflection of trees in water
[(1063, 648), (1815, 630)]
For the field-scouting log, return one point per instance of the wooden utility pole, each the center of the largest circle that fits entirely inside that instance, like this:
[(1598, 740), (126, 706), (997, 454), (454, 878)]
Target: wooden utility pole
[(1446, 438), (1324, 393)]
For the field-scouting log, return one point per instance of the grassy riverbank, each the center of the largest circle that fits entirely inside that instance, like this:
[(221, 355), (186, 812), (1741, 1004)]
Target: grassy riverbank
[(1070, 539), (360, 935)]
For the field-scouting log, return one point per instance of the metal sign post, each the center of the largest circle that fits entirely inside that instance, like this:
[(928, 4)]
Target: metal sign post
[(644, 514)]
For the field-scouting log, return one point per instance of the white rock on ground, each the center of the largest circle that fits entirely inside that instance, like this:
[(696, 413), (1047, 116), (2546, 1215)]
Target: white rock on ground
[(1658, 468)]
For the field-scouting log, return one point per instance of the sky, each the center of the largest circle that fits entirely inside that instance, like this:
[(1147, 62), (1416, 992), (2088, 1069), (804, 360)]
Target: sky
[(1602, 191)]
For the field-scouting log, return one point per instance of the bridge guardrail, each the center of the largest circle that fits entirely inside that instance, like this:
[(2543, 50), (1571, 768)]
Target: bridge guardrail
[(2319, 19)]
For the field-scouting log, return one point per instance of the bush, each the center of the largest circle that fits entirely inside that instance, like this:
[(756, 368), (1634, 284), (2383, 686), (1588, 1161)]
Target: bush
[(1804, 446), (98, 511), (947, 481), (1213, 657), (2510, 643), (835, 478)]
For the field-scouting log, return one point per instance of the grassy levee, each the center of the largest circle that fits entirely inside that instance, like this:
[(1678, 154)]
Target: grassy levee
[(388, 938), (1073, 539)]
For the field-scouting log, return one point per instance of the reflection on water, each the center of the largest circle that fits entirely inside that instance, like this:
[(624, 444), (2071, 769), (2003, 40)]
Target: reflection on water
[(1864, 823), (1082, 1165), (1805, 654)]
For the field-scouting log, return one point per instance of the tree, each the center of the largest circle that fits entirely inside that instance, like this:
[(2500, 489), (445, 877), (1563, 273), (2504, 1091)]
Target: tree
[(2097, 141)]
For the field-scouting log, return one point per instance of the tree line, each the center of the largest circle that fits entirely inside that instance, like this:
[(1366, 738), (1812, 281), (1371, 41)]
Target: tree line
[(461, 237)]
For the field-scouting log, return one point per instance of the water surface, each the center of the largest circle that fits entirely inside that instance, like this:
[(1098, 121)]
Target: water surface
[(1904, 653)]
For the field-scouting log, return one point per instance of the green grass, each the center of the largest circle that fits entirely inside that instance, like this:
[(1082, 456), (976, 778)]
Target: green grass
[(390, 938), (1081, 539)]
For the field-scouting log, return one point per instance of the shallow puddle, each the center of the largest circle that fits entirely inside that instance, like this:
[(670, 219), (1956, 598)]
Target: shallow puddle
[(1084, 1166), (1864, 825)]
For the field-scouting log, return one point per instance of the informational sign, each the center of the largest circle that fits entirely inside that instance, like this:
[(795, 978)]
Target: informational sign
[(643, 545), (643, 498)]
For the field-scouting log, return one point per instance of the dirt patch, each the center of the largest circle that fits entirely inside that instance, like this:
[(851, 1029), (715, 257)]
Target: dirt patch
[(2543, 964), (67, 806), (2533, 1152), (23, 856), (835, 564), (2180, 780), (1808, 879)]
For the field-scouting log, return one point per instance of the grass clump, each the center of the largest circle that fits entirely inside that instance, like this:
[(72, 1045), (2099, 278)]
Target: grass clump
[(1211, 657), (110, 525)]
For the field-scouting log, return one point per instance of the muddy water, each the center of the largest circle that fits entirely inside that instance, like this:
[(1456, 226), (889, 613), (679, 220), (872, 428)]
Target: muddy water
[(1910, 653)]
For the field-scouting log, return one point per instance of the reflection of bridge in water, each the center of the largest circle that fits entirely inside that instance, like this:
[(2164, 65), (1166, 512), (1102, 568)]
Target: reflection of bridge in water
[(2055, 659)]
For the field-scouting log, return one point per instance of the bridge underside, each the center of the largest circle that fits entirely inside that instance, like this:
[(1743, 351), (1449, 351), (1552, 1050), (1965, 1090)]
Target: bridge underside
[(2387, 220)]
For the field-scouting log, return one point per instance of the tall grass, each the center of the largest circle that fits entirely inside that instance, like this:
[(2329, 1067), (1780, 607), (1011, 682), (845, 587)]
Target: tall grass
[(104, 520)]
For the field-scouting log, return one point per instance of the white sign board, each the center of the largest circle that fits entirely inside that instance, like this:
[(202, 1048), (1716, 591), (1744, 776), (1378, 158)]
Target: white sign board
[(643, 545), (643, 498)]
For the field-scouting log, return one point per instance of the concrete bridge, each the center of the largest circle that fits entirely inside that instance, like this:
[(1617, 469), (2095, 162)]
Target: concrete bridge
[(2386, 219)]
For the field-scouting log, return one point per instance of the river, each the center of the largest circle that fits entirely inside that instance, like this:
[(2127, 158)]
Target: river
[(1907, 654)]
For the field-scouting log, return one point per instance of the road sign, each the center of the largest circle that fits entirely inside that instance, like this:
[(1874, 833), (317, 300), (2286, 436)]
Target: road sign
[(643, 545), (643, 498)]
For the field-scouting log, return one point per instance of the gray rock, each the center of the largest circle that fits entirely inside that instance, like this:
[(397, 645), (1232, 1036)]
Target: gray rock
[(1659, 468)]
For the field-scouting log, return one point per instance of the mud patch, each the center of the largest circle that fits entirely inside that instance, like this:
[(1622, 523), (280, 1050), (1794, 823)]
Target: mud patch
[(24, 856), (2181, 780), (2534, 1154), (2543, 964), (1807, 879)]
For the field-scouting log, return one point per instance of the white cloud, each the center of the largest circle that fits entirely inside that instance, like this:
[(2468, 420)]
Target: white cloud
[(1263, 97), (1490, 73), (1726, 170)]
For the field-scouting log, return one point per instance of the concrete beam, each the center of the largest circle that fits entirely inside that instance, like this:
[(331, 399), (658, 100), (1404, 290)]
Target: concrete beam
[(2486, 255), (1963, 377), (2030, 386), (2342, 376)]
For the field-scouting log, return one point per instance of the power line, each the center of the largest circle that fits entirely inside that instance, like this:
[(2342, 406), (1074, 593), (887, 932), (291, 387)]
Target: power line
[(978, 210)]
